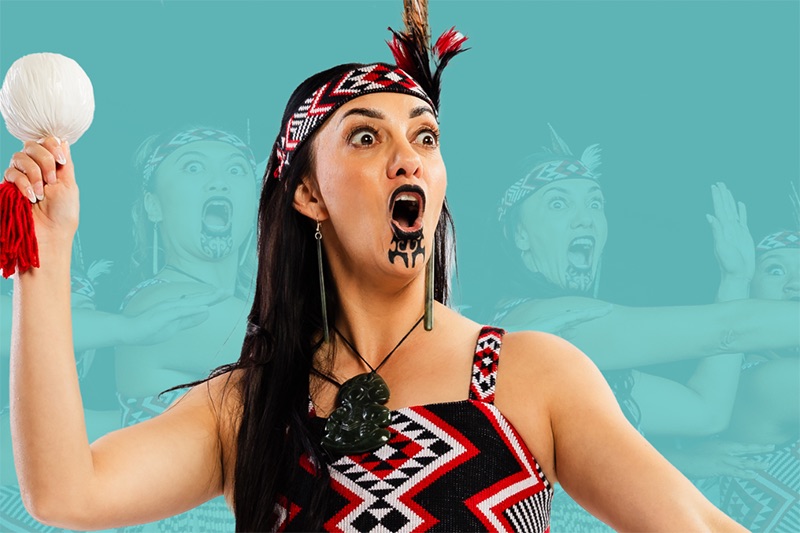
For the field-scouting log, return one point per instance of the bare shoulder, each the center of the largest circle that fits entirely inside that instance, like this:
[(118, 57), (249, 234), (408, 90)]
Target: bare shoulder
[(543, 355), (536, 373)]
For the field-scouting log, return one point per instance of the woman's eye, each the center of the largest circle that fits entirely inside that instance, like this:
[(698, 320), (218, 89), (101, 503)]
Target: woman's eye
[(237, 170), (427, 138), (193, 167), (597, 204), (557, 203), (775, 270), (363, 138)]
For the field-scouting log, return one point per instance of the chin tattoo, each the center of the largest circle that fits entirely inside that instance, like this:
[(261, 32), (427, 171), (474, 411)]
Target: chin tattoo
[(216, 247), (408, 249)]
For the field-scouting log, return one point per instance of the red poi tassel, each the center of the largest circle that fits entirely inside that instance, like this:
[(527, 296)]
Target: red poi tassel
[(18, 246)]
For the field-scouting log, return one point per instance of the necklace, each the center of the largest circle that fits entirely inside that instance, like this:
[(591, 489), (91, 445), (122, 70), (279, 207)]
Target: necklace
[(359, 422), (179, 271)]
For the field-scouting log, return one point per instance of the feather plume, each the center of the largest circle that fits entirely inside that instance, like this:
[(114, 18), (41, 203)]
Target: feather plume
[(793, 196), (591, 158), (559, 146), (411, 48)]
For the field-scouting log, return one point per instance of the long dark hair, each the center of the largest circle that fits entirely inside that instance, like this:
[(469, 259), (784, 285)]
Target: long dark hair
[(283, 337)]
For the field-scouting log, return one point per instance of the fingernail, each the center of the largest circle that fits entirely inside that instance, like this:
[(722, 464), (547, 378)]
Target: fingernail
[(31, 195), (58, 140), (39, 190), (60, 157)]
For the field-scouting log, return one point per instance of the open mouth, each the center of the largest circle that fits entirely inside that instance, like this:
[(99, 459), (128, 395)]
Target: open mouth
[(580, 253), (407, 206), (217, 215)]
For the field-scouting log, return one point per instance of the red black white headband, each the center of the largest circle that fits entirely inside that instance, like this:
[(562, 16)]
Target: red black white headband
[(331, 96), (778, 240)]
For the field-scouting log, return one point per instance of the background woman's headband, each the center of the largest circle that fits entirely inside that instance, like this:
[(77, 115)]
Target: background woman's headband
[(189, 136), (558, 164), (331, 96)]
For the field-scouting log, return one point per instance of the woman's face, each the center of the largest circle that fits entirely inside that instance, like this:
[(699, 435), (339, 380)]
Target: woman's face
[(205, 192), (777, 275), (562, 231), (381, 181)]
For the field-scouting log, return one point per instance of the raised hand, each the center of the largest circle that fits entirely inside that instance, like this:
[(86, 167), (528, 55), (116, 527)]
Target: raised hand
[(165, 319), (44, 173), (733, 244)]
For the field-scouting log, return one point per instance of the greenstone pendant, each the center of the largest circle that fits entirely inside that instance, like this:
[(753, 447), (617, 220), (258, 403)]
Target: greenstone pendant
[(359, 424)]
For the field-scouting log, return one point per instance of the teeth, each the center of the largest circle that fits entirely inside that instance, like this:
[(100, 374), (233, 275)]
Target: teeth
[(406, 198), (582, 241)]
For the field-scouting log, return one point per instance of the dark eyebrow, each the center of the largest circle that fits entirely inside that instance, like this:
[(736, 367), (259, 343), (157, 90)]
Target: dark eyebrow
[(194, 153), (371, 113), (421, 110), (564, 191), (557, 189), (201, 154)]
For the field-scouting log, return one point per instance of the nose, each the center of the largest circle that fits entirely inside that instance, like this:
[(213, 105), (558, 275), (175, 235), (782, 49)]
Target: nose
[(405, 162), (217, 182), (792, 286), (582, 218)]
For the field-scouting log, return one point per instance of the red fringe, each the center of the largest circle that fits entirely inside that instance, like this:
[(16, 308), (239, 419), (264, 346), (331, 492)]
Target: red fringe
[(18, 247)]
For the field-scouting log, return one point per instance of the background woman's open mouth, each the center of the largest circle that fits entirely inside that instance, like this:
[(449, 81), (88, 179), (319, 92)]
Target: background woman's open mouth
[(216, 237), (580, 263), (407, 206)]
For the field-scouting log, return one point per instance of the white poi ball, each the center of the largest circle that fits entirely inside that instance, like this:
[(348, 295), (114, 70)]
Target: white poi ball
[(47, 95)]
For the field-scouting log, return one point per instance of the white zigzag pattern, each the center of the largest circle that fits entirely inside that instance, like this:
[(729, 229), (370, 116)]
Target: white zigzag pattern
[(361, 481), (533, 479)]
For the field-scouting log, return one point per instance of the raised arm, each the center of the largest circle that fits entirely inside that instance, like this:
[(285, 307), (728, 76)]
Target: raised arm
[(141, 473), (572, 423), (629, 337)]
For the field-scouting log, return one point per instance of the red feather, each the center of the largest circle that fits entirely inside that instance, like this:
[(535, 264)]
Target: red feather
[(449, 42)]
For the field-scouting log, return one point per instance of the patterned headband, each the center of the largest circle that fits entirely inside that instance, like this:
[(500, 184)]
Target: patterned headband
[(780, 239), (324, 101), (560, 165), (189, 136)]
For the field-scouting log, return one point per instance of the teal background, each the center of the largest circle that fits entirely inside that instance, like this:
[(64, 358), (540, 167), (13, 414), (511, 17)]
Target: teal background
[(679, 95)]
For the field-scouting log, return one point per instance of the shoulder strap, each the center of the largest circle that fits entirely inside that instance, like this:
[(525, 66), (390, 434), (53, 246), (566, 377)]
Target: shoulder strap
[(484, 365)]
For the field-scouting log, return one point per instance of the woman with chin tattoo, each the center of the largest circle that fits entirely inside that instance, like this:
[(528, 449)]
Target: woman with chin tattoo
[(554, 220), (360, 401), (193, 234)]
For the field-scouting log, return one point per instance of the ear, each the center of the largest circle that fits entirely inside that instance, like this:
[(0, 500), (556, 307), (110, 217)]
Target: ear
[(153, 207), (521, 239), (308, 200)]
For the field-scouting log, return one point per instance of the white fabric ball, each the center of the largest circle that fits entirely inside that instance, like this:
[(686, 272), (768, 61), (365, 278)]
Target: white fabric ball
[(47, 95)]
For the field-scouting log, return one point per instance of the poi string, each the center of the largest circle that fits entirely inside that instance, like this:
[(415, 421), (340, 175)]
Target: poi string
[(43, 95)]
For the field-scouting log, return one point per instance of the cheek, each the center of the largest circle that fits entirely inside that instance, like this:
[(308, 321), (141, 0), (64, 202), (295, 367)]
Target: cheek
[(766, 287)]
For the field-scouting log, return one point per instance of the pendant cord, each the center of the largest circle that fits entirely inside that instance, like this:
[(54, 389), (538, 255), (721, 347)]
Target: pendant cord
[(375, 370), (179, 271)]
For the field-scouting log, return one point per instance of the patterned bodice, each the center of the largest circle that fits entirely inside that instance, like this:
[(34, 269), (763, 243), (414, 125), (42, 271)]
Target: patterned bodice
[(456, 466)]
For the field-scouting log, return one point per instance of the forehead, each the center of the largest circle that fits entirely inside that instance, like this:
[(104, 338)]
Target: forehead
[(786, 256), (571, 186), (390, 105), (203, 150)]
